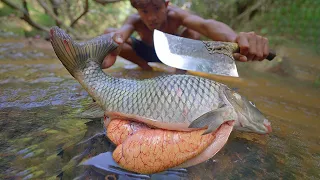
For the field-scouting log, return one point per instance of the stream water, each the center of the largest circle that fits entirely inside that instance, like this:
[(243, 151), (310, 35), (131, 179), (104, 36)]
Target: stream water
[(42, 137)]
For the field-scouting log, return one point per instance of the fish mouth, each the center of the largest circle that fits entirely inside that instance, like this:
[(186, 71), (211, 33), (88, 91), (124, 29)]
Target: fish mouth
[(145, 150), (267, 125)]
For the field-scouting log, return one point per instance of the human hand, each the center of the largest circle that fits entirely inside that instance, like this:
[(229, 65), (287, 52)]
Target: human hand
[(252, 47), (110, 59)]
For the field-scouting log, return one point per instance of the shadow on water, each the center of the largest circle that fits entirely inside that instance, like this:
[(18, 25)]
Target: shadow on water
[(42, 138)]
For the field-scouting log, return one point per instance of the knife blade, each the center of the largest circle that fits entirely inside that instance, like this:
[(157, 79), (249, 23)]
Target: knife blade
[(213, 57)]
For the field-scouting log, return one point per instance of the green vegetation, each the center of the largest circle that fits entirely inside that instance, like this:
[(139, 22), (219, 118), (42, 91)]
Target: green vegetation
[(72, 14), (282, 21)]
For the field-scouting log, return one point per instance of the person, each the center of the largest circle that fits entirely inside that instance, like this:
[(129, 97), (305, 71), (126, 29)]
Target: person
[(158, 14)]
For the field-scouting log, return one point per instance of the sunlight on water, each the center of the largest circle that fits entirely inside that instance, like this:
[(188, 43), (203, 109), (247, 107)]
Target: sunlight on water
[(42, 138)]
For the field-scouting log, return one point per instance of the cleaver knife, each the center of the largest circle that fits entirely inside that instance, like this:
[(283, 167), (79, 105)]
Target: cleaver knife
[(213, 57)]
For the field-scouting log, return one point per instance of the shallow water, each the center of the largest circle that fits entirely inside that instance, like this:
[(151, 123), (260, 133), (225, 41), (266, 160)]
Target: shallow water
[(42, 137)]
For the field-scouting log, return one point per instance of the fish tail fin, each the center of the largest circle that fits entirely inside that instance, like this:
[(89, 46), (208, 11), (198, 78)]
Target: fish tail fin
[(74, 55)]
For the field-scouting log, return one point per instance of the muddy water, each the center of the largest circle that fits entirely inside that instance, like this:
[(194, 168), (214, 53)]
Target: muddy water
[(42, 137)]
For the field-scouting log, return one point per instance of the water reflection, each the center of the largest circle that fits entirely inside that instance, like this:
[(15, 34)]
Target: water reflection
[(103, 166), (42, 138)]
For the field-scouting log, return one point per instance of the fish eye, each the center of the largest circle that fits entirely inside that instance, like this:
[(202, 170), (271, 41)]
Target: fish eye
[(252, 103)]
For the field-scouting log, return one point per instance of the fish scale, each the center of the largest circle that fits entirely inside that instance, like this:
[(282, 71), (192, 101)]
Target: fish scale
[(177, 98)]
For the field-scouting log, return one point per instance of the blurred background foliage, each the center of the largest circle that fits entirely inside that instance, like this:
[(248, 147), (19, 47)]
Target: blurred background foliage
[(97, 18), (282, 21)]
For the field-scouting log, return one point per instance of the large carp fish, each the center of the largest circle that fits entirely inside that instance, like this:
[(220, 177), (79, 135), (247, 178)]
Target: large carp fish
[(158, 123)]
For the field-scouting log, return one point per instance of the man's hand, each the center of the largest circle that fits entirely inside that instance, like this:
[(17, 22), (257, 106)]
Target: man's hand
[(110, 59), (252, 47)]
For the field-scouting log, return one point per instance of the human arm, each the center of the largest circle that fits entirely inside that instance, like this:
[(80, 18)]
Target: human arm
[(127, 28), (119, 36), (252, 46)]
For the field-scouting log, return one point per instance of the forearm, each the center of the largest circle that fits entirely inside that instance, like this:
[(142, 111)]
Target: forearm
[(218, 31), (210, 28), (125, 31), (128, 27)]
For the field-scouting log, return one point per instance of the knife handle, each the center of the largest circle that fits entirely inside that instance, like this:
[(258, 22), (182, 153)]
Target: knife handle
[(235, 48), (272, 54)]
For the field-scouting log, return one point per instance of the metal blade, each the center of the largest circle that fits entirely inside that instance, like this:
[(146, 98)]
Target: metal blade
[(194, 55)]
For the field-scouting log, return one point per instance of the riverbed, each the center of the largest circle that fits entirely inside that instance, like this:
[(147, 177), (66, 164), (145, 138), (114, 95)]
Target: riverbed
[(43, 138)]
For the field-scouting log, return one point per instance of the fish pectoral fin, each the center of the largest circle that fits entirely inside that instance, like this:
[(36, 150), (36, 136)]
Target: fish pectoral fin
[(93, 110), (213, 119)]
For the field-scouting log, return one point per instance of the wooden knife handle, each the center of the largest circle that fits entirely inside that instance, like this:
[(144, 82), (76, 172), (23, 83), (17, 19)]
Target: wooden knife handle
[(235, 47), (272, 54)]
